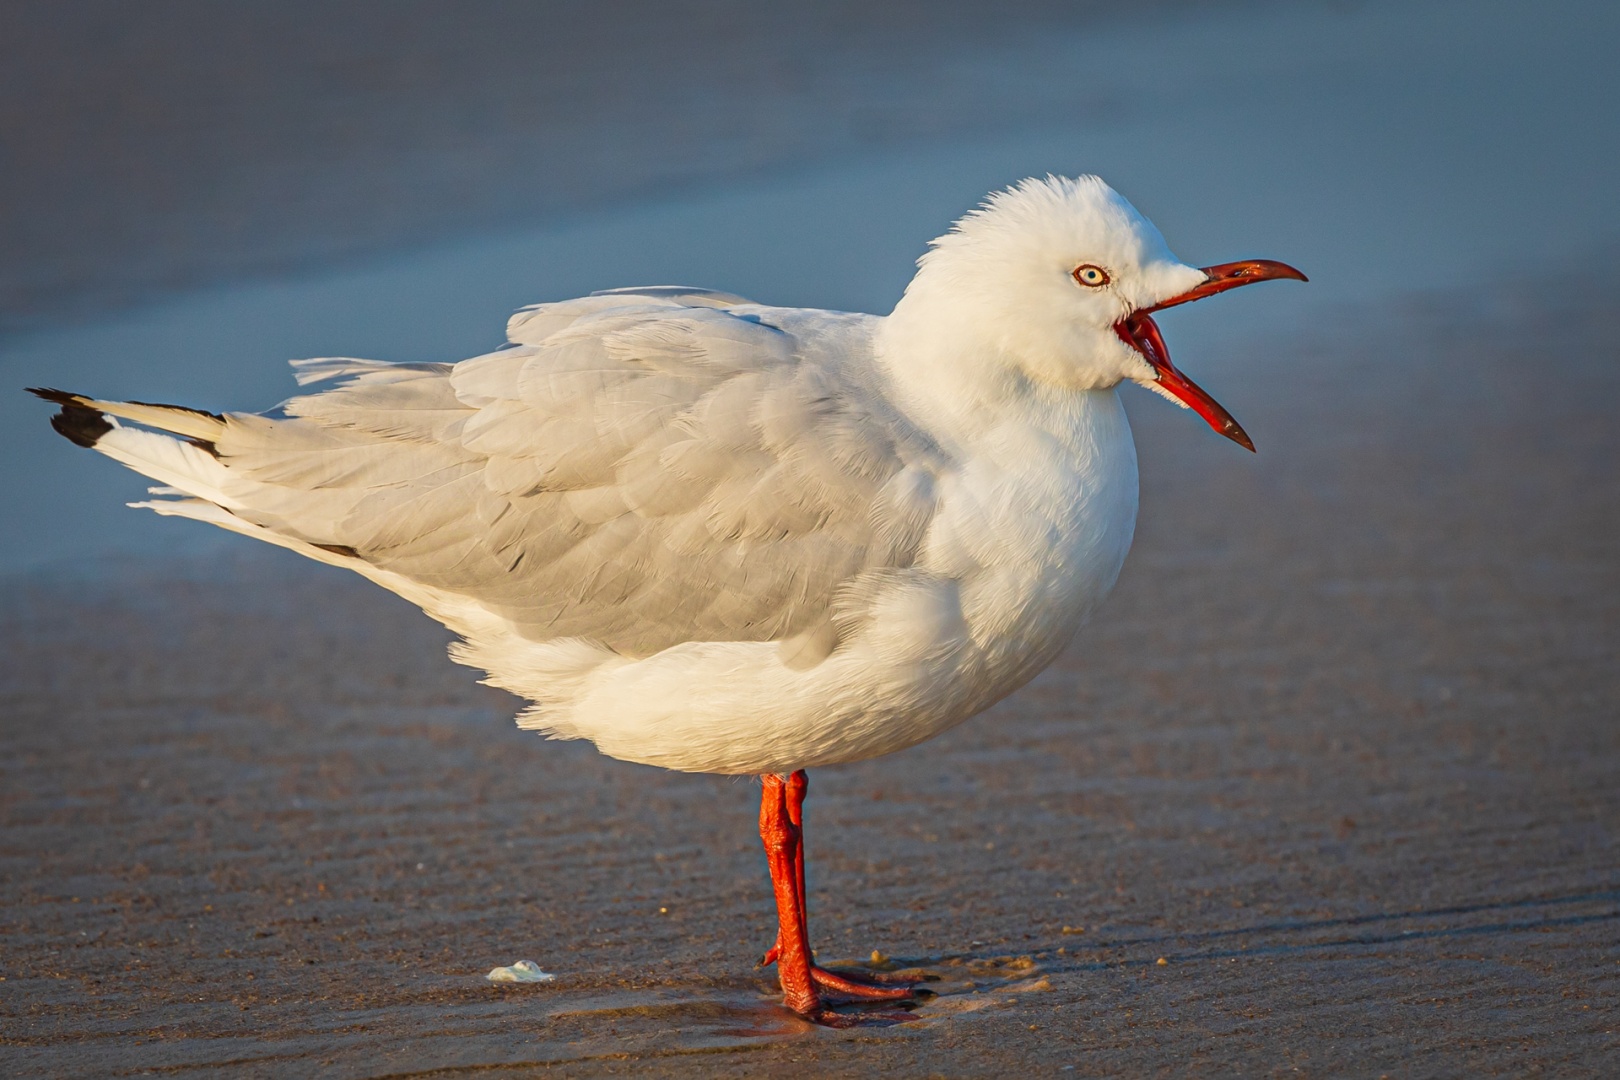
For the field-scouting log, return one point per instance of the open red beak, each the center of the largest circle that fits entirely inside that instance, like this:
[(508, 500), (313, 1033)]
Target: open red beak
[(1140, 332)]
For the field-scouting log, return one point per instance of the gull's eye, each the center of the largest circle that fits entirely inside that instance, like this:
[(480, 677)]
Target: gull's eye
[(1091, 276)]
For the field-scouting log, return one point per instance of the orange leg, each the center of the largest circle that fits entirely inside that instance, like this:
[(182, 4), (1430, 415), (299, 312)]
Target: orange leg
[(781, 827), (783, 841)]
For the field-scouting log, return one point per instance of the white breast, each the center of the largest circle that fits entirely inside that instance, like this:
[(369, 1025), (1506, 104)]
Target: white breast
[(1031, 534), (1036, 528)]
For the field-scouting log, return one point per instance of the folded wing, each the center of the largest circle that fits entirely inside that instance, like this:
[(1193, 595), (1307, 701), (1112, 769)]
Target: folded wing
[(639, 469)]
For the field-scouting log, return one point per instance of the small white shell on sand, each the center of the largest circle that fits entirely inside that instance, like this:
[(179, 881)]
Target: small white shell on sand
[(522, 971)]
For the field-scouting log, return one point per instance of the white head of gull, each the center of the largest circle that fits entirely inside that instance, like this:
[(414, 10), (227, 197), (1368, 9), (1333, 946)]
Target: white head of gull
[(719, 536)]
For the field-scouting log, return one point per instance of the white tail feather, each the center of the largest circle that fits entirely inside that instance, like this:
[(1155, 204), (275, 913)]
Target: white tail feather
[(170, 461)]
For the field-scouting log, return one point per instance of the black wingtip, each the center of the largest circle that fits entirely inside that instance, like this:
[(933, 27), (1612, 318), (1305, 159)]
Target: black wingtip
[(59, 397), (77, 422)]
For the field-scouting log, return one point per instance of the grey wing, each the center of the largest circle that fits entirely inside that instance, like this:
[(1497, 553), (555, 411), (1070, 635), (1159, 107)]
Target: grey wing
[(644, 471)]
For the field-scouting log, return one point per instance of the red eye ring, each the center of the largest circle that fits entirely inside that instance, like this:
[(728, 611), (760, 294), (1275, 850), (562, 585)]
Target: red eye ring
[(1091, 275)]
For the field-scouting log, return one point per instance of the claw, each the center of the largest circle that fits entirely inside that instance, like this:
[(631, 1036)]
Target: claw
[(857, 988), (854, 987)]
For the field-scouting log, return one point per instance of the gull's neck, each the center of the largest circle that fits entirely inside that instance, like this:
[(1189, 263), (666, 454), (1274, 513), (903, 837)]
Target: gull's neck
[(961, 383)]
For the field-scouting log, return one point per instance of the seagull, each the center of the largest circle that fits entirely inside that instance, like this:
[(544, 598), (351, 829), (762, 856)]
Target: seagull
[(724, 537)]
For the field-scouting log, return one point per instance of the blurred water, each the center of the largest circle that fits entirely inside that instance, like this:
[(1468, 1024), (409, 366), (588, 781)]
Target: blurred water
[(1384, 148)]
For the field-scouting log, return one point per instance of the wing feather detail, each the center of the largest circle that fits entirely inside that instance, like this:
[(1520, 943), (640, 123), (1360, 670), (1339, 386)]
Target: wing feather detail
[(640, 470)]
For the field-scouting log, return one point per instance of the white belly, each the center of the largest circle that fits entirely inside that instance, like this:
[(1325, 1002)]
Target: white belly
[(1031, 534)]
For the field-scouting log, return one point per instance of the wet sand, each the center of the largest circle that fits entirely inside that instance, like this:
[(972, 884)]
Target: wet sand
[(1331, 786)]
